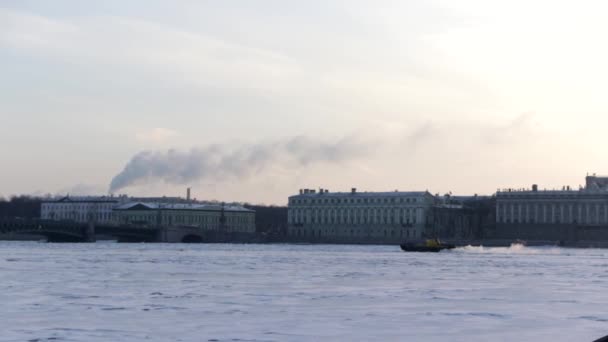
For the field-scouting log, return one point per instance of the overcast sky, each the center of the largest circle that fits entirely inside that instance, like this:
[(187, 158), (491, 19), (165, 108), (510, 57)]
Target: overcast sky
[(253, 100)]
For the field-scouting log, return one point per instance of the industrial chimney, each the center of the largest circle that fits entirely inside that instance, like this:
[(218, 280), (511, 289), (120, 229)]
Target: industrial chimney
[(188, 194)]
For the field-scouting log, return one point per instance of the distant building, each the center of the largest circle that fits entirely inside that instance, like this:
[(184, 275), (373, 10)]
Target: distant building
[(588, 205), (360, 217), (462, 217), (122, 209), (552, 214), (81, 208), (210, 217)]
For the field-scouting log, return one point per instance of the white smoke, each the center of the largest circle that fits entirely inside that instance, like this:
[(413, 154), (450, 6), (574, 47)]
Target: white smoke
[(230, 161)]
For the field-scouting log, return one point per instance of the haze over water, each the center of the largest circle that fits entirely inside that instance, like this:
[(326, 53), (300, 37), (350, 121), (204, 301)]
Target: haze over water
[(162, 292)]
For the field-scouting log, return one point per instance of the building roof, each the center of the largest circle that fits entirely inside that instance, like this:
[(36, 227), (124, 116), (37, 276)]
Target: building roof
[(85, 199), (182, 206), (364, 194)]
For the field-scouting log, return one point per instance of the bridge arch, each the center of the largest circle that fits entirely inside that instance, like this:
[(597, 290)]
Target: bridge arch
[(192, 238), (51, 235), (59, 236)]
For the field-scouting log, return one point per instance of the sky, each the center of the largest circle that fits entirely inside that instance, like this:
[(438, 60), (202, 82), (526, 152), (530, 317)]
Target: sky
[(252, 100)]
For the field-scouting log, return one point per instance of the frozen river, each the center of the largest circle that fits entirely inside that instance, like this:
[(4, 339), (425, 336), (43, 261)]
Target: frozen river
[(174, 292)]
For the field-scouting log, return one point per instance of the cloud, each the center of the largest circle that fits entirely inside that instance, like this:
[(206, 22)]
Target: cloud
[(155, 135), (26, 30), (511, 131), (81, 189), (229, 162), (420, 134), (521, 128), (186, 56)]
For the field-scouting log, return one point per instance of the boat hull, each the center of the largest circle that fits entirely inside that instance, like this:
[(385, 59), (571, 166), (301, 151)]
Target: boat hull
[(420, 248)]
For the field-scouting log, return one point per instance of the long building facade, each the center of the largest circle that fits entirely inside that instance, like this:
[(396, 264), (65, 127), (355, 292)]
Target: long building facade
[(553, 214), (81, 209), (207, 217), (358, 217), (588, 205)]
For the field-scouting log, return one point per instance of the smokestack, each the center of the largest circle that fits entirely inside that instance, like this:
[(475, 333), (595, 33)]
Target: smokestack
[(188, 194)]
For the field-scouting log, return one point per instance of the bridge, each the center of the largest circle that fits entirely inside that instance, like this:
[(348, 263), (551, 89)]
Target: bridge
[(70, 231)]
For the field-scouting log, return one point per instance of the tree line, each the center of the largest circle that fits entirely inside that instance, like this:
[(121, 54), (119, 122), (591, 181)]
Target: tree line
[(22, 206), (269, 218)]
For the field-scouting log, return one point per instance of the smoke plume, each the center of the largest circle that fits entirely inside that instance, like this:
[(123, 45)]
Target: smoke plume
[(222, 162)]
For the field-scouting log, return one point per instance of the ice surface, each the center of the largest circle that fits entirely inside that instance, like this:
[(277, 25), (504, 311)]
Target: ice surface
[(174, 292)]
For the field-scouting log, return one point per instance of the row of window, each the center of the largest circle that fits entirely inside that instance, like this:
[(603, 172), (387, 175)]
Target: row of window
[(350, 211), (365, 216), (296, 201), (78, 216), (189, 219), (547, 213), (50, 212), (75, 206), (356, 212), (356, 220), (318, 233)]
